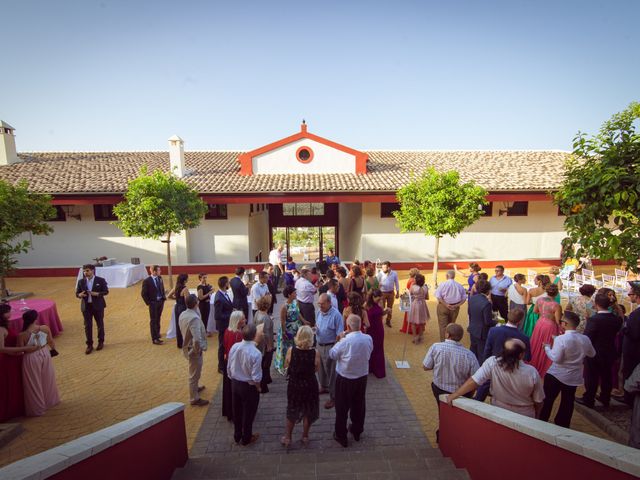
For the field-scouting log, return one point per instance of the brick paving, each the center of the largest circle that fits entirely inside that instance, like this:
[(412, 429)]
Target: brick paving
[(131, 375)]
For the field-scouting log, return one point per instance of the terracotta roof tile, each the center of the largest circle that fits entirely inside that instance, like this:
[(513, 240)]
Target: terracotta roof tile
[(217, 172)]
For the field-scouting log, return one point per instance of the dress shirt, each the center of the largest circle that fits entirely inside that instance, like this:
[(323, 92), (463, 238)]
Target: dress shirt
[(498, 284), (451, 292), (90, 287), (515, 391), (333, 298), (245, 363), (328, 326), (332, 259), (352, 355), (258, 290), (388, 281), (274, 257), (305, 290), (452, 364), (193, 330), (567, 355)]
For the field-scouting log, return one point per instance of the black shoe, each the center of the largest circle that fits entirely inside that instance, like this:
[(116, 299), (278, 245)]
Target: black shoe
[(157, 342), (100, 346), (220, 371), (356, 436), (341, 441), (89, 349), (582, 401)]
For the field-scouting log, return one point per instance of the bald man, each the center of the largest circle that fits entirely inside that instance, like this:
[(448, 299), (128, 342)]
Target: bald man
[(329, 326)]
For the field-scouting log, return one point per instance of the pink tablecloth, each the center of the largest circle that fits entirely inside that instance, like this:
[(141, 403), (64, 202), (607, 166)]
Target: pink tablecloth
[(47, 314)]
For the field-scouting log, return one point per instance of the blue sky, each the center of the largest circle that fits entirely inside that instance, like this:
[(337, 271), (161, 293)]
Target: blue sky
[(126, 75)]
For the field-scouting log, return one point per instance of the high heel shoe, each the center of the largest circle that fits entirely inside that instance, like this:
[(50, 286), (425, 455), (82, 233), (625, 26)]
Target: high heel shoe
[(285, 441), (305, 441)]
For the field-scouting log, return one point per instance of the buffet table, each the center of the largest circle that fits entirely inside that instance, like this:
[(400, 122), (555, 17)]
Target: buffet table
[(120, 275), (47, 314)]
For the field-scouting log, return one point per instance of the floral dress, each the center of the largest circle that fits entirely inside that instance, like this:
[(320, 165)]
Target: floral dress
[(292, 323)]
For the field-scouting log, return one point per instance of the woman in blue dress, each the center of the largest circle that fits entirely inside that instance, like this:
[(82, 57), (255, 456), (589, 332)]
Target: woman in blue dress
[(289, 268)]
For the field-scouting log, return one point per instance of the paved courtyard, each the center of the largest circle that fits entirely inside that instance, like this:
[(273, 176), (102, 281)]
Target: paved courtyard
[(131, 375)]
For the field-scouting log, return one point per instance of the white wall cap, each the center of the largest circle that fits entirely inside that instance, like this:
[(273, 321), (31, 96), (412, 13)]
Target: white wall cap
[(4, 124), (611, 454), (175, 138)]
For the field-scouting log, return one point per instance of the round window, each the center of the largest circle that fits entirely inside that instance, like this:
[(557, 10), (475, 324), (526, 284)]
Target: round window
[(304, 154)]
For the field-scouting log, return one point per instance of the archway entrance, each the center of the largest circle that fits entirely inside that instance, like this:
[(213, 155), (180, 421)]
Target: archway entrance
[(306, 230)]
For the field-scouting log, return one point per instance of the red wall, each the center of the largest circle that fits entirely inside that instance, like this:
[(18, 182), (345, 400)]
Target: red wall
[(153, 453), (490, 451)]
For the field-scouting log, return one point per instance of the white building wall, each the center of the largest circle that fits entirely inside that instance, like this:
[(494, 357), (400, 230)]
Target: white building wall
[(535, 236), (283, 160), (222, 241), (77, 242), (259, 234), (350, 231)]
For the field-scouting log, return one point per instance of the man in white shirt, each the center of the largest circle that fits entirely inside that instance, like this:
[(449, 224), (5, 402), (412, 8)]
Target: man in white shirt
[(450, 295), (275, 259), (515, 385), (244, 367), (351, 353), (452, 364), (566, 372), (390, 288), (305, 291), (193, 345), (259, 290)]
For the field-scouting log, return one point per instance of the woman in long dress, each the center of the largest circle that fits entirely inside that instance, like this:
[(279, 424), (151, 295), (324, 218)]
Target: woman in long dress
[(547, 327), (180, 293), (232, 335), (290, 321), (412, 279), (11, 390), (535, 293), (205, 292), (376, 330), (419, 313), (303, 402), (583, 305), (38, 375)]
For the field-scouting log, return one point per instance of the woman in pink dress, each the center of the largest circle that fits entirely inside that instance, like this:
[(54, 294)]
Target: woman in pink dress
[(11, 396), (547, 327), (38, 375), (419, 313)]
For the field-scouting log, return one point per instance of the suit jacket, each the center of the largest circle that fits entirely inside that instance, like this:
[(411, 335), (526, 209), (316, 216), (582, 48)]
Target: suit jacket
[(150, 292), (222, 308), (271, 283), (99, 286), (500, 334), (480, 316), (602, 329), (240, 292)]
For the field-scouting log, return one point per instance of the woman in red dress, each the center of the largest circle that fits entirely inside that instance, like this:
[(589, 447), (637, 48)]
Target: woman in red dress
[(412, 278), (11, 390)]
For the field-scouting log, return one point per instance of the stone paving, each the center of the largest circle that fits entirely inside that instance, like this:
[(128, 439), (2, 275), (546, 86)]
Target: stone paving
[(131, 375)]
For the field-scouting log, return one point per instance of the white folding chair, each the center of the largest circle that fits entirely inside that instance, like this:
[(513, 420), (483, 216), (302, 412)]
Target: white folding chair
[(608, 280), (589, 276), (531, 277), (621, 278)]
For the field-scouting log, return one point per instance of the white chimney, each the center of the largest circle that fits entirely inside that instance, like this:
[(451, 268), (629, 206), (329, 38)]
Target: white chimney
[(176, 156), (8, 155)]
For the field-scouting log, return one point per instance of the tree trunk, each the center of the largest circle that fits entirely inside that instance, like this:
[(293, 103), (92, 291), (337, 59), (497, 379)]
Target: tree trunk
[(169, 270), (435, 262), (3, 288)]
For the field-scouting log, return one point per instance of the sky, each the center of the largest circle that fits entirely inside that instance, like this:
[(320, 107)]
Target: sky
[(101, 75)]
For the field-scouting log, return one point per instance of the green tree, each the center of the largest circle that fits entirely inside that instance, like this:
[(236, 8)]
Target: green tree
[(22, 212), (438, 204), (159, 205), (600, 194)]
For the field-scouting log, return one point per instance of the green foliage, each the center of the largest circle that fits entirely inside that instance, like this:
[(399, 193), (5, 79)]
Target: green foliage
[(157, 205), (22, 212), (438, 204), (600, 193)]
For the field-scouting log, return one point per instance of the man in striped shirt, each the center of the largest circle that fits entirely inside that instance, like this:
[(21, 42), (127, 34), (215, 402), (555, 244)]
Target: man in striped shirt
[(451, 362)]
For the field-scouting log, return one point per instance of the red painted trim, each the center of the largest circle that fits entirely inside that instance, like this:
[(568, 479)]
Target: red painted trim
[(302, 198), (519, 197), (246, 159), (86, 199), (488, 450), (230, 268), (311, 154), (153, 453)]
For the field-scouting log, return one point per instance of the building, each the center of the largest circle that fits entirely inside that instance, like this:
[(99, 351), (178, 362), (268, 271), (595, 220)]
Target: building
[(305, 190)]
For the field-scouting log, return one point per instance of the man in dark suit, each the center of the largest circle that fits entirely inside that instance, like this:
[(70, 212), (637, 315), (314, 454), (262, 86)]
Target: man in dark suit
[(495, 344), (480, 318), (222, 308), (272, 284), (91, 291), (601, 329), (631, 339), (154, 296), (240, 292)]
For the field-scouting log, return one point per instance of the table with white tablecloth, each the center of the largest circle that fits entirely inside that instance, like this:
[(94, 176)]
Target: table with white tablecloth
[(120, 275)]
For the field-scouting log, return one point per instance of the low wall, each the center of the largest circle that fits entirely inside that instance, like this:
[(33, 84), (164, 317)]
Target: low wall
[(492, 442), (148, 446)]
